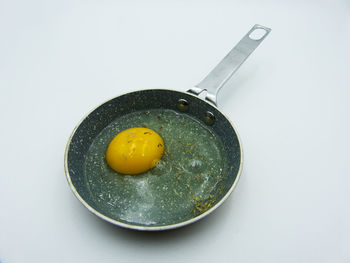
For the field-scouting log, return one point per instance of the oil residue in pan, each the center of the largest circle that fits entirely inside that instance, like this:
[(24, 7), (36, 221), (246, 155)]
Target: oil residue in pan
[(186, 182)]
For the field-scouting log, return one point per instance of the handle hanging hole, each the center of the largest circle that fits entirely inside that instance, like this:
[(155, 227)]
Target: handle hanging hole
[(258, 33)]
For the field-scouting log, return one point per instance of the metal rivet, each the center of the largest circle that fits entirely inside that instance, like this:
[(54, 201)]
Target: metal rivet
[(182, 105), (209, 118)]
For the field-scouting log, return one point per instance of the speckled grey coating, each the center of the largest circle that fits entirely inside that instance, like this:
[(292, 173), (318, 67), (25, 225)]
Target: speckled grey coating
[(84, 135)]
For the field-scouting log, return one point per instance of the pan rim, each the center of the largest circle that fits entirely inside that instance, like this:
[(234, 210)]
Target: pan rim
[(142, 227)]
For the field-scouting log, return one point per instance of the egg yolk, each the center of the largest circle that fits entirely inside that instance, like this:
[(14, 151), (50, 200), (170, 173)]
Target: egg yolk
[(135, 151)]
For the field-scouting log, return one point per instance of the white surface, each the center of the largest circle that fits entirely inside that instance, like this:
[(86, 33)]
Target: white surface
[(289, 102)]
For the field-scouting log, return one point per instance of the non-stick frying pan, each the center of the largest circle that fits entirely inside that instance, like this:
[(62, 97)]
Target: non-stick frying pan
[(185, 186)]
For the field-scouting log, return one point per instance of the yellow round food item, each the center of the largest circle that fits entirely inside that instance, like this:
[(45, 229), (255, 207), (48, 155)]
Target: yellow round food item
[(135, 150)]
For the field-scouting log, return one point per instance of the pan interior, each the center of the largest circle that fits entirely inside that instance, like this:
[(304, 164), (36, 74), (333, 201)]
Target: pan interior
[(188, 180)]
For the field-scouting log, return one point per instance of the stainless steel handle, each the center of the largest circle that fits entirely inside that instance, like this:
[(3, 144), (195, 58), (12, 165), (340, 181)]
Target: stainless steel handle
[(229, 65)]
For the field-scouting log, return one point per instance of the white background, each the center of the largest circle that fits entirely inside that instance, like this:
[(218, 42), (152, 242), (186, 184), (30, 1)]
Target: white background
[(289, 102)]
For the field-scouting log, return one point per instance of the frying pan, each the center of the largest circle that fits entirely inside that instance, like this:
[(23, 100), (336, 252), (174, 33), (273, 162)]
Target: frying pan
[(145, 202)]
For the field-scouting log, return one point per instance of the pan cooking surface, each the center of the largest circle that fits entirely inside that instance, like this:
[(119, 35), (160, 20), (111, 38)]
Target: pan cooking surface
[(189, 179)]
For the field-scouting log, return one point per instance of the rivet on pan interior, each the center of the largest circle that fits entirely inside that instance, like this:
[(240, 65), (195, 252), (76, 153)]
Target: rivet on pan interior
[(209, 118), (182, 105)]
